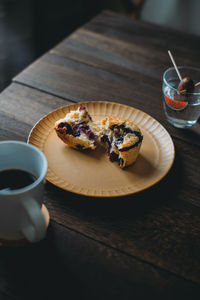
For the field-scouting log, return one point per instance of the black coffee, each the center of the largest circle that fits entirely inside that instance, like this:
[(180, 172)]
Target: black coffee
[(15, 179)]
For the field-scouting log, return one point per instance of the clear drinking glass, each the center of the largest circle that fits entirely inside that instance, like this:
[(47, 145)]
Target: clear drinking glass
[(182, 110)]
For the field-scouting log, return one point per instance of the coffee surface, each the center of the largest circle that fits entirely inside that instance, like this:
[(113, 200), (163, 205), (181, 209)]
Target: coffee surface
[(15, 179)]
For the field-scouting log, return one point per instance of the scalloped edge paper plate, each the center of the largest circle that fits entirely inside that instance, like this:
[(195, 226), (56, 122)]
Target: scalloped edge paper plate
[(90, 173)]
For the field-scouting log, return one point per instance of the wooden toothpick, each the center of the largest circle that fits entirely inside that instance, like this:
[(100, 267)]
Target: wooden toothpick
[(175, 66), (177, 71)]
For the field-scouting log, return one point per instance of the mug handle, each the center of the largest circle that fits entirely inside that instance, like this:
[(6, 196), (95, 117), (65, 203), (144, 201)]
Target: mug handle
[(33, 226)]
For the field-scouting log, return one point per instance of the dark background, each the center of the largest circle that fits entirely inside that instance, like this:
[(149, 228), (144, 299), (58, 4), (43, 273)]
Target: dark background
[(29, 28)]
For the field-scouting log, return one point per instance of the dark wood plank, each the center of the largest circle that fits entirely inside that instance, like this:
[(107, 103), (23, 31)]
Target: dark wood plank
[(68, 263), (21, 108), (122, 56), (125, 46), (77, 81), (114, 275), (35, 271), (145, 245), (130, 60), (148, 36), (116, 56), (155, 226)]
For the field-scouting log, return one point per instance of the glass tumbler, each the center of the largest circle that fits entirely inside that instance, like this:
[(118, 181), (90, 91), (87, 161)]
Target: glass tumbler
[(182, 110)]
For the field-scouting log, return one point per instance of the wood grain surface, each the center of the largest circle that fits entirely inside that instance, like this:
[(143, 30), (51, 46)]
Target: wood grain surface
[(156, 226), (145, 246), (119, 61)]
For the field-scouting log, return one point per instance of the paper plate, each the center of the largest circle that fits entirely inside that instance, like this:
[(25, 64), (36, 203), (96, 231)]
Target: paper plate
[(90, 172)]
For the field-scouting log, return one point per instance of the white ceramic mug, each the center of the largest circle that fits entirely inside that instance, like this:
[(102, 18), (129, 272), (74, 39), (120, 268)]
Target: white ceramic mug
[(20, 209)]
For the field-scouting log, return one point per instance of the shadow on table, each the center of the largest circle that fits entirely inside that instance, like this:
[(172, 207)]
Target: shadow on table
[(35, 271), (164, 192), (66, 263)]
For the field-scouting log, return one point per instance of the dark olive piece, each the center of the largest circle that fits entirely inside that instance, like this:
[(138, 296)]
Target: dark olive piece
[(186, 85)]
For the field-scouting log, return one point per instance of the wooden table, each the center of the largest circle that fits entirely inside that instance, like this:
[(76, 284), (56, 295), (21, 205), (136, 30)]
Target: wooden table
[(144, 246)]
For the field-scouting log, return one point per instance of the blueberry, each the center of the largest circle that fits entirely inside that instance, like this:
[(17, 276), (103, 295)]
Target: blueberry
[(122, 126), (62, 124), (91, 136), (68, 127), (113, 156), (128, 130), (82, 108), (61, 130), (79, 147), (88, 131), (104, 138), (119, 139), (84, 127), (76, 133)]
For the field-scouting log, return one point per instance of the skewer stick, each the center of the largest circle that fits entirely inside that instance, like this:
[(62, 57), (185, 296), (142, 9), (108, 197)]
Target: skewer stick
[(175, 66), (197, 84), (177, 71)]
